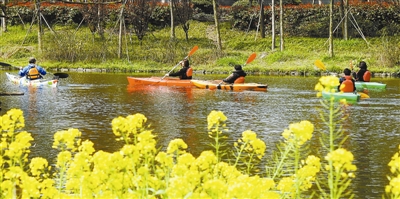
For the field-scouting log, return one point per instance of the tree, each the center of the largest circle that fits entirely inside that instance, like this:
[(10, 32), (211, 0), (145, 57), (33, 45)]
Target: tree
[(40, 30), (94, 14), (3, 15), (219, 44), (139, 15), (331, 28), (121, 27), (273, 25), (262, 25), (172, 13), (281, 24), (183, 14), (344, 17)]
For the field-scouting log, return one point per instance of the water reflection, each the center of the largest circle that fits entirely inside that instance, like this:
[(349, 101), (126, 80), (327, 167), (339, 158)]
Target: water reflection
[(90, 101)]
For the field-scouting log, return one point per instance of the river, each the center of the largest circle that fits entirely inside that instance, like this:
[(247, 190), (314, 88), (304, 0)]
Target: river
[(89, 102)]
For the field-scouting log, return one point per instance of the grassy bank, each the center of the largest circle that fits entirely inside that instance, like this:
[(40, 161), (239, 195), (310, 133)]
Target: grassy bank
[(73, 48)]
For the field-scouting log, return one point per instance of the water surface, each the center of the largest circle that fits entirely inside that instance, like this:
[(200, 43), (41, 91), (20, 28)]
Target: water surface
[(89, 102)]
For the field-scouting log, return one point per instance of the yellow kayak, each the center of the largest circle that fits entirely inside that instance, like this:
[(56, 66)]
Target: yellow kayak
[(212, 85)]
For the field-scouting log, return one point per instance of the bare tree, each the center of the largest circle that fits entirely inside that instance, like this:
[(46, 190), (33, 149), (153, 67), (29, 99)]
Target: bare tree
[(183, 14), (281, 24), (273, 25), (40, 30), (139, 14), (345, 18), (331, 28), (262, 25), (172, 4), (219, 43), (121, 27), (3, 15), (94, 14)]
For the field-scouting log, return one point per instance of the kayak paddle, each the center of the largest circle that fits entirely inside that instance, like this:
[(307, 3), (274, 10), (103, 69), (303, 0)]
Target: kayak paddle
[(5, 64), (363, 95), (57, 75), (60, 75), (249, 59), (320, 65), (190, 53)]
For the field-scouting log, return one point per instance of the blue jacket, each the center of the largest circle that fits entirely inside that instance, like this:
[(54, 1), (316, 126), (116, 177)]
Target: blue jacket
[(23, 72)]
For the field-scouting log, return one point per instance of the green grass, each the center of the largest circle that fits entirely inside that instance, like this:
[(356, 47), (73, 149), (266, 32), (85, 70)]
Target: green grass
[(79, 48)]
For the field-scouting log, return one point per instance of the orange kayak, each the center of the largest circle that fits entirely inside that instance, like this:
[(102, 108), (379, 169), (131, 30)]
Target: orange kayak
[(212, 85), (158, 81)]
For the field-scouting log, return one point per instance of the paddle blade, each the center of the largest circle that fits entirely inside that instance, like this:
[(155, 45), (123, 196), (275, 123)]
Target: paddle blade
[(5, 64), (363, 95), (193, 50), (320, 65), (251, 58), (61, 75)]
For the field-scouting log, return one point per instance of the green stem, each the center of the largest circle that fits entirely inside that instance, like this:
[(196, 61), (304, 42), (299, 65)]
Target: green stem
[(288, 148), (331, 149), (296, 167), (239, 154)]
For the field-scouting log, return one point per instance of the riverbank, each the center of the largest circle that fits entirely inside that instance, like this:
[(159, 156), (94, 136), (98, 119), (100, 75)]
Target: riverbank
[(272, 73), (158, 53)]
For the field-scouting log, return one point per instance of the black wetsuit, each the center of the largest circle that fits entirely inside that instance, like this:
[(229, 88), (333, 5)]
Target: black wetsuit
[(235, 74), (181, 74), (359, 76)]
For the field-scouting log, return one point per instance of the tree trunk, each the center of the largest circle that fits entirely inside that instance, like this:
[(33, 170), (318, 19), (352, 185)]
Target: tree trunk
[(121, 22), (171, 8), (281, 24), (219, 45), (262, 25), (273, 25), (331, 29), (345, 25), (3, 21), (343, 15), (99, 19), (39, 33)]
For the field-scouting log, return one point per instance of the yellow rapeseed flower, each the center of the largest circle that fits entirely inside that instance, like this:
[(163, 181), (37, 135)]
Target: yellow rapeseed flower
[(299, 133), (206, 160), (253, 143), (394, 186), (216, 188), (286, 184), (394, 164), (69, 139), (215, 118), (164, 159), (176, 146), (326, 83), (38, 165), (302, 131), (341, 159)]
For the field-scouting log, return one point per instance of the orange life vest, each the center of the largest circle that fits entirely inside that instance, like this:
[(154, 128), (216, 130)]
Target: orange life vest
[(367, 76), (239, 80), (347, 85), (33, 74), (189, 72)]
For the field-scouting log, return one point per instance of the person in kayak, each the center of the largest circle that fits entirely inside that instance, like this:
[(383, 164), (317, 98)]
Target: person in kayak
[(362, 75), (185, 72), (237, 76), (346, 82), (32, 71)]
